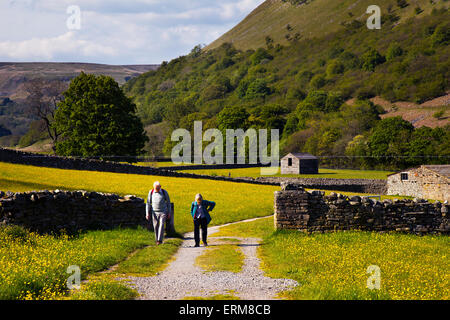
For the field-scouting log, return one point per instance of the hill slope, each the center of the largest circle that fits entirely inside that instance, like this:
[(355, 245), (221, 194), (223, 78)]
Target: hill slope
[(315, 18), (14, 75), (301, 88), (14, 114)]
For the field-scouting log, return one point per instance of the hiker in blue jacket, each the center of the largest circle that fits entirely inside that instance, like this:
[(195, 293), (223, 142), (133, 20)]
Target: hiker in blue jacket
[(200, 213)]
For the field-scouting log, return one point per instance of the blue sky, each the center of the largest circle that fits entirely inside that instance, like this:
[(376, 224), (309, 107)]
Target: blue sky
[(113, 31)]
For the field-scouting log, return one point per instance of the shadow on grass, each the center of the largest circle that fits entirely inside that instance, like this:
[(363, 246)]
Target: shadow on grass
[(6, 184)]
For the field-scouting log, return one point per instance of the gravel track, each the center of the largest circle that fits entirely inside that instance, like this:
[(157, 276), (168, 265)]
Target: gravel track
[(182, 278)]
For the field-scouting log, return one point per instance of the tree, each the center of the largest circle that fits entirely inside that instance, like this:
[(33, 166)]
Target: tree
[(371, 59), (426, 144), (388, 142), (96, 119), (257, 89), (315, 100), (42, 100), (260, 55), (357, 149), (196, 51), (270, 116), (291, 125), (233, 118)]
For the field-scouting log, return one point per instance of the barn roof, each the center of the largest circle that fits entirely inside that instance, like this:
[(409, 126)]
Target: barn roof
[(443, 170), (300, 155)]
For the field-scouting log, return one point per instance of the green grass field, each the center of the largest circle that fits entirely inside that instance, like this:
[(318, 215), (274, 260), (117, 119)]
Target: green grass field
[(323, 173), (329, 266), (50, 256), (234, 201), (35, 266), (334, 265)]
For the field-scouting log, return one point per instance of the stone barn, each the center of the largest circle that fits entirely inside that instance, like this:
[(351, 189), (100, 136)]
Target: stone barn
[(299, 163), (426, 182)]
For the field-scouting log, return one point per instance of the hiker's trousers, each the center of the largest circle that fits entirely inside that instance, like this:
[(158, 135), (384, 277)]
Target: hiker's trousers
[(203, 223), (159, 220)]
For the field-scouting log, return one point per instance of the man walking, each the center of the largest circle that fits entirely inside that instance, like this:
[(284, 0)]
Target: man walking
[(158, 209)]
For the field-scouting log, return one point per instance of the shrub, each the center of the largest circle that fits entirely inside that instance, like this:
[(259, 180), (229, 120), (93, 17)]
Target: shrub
[(318, 81), (429, 90), (334, 67), (224, 63), (371, 59), (315, 100), (295, 93), (439, 114), (334, 102), (304, 77), (393, 51), (257, 89), (260, 55), (441, 35), (402, 4)]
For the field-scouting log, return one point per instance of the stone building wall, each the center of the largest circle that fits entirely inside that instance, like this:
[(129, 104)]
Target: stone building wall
[(422, 183), (286, 169), (52, 211), (314, 212)]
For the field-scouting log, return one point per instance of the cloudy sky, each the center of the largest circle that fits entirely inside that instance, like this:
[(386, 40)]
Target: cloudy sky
[(113, 31)]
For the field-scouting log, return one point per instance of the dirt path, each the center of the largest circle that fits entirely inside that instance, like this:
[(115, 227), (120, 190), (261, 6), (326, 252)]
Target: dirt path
[(182, 278)]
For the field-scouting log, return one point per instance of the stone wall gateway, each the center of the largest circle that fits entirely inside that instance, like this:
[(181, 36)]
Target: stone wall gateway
[(72, 211), (298, 209)]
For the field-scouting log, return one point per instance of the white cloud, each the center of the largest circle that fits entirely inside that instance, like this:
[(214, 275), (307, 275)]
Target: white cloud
[(114, 31), (47, 49)]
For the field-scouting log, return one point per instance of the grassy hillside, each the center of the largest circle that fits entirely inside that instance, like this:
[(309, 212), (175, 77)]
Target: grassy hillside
[(314, 18), (301, 88)]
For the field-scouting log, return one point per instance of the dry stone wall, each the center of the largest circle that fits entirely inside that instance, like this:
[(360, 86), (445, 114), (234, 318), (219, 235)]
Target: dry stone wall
[(72, 211), (298, 209), (372, 186), (49, 161)]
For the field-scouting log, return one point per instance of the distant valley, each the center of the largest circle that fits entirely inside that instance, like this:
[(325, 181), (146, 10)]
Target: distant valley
[(13, 75), (14, 117)]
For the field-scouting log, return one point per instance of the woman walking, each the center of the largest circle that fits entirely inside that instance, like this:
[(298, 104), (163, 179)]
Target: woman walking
[(200, 213)]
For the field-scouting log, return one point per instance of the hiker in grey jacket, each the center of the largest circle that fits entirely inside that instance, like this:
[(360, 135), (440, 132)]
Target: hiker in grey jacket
[(158, 208)]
